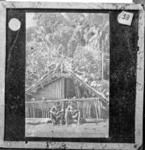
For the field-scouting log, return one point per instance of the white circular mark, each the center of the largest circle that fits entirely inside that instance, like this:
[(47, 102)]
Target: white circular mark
[(14, 24)]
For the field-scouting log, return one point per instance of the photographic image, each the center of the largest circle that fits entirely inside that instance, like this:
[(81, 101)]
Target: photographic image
[(67, 74)]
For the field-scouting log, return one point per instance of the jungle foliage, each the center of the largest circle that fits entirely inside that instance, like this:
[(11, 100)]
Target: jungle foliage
[(78, 41)]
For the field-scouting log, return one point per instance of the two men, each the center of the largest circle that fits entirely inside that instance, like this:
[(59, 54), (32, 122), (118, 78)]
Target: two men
[(68, 116)]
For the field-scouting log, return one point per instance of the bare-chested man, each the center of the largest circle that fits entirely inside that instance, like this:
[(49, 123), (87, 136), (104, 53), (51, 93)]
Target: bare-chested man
[(71, 114), (56, 115)]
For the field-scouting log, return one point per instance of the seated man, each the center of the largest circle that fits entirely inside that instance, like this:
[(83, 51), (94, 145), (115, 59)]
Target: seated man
[(53, 111), (60, 113), (56, 115), (71, 114)]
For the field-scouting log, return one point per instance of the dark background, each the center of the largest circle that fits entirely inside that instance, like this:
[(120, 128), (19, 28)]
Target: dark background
[(123, 55)]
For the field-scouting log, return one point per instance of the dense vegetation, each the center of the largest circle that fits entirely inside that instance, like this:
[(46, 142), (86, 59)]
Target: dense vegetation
[(78, 41)]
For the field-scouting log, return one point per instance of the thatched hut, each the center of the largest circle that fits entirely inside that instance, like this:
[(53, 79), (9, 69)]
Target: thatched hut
[(63, 85), (66, 86)]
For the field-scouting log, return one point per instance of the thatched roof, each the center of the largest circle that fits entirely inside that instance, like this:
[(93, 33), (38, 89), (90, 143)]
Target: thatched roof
[(50, 78)]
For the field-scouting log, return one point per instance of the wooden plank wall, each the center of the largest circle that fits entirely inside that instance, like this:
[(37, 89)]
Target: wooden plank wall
[(54, 90)]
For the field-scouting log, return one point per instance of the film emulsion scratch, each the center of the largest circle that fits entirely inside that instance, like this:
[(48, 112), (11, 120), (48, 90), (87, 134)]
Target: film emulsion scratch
[(67, 75)]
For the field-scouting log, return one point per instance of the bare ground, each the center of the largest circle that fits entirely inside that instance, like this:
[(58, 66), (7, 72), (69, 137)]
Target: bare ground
[(99, 129)]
